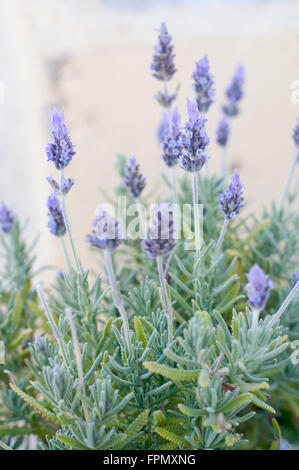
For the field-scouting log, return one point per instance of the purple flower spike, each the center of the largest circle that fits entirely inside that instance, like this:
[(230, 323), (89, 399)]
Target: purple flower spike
[(223, 132), (195, 140), (134, 180), (163, 58), (231, 199), (56, 221), (203, 84), (234, 93), (172, 145), (162, 128), (160, 239), (296, 135), (258, 288), (106, 234), (60, 151), (7, 218), (295, 277)]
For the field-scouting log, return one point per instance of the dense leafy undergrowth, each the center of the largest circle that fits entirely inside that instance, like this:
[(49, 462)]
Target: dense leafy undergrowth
[(180, 349)]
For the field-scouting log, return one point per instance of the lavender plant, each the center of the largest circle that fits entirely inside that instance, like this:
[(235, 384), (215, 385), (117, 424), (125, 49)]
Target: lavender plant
[(166, 347)]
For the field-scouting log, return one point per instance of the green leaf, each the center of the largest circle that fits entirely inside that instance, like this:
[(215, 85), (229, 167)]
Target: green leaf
[(173, 374), (70, 441)]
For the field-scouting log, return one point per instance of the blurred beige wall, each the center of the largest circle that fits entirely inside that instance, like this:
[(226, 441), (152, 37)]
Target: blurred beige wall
[(94, 60)]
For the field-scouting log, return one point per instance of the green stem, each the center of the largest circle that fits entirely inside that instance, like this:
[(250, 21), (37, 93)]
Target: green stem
[(165, 299), (196, 213), (68, 229), (174, 185), (117, 297), (66, 255), (285, 303), (221, 236)]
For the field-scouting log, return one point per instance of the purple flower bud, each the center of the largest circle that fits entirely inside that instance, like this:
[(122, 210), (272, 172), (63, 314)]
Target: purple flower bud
[(56, 221), (106, 234), (160, 239), (203, 86), (295, 277), (172, 145), (60, 150), (296, 135), (195, 140), (6, 218), (223, 132), (134, 180), (234, 92), (163, 58), (66, 184), (231, 199), (258, 288)]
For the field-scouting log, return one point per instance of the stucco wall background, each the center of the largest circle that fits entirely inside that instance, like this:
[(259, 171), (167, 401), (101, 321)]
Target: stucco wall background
[(93, 59)]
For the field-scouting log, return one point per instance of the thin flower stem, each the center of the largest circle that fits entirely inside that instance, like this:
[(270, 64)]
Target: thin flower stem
[(50, 319), (196, 213), (285, 303), (221, 236), (174, 185), (223, 161), (142, 221), (117, 297), (69, 232), (255, 318), (290, 178), (66, 255), (165, 299), (78, 357)]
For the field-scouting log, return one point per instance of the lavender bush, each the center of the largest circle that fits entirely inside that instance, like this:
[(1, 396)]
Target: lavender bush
[(166, 347)]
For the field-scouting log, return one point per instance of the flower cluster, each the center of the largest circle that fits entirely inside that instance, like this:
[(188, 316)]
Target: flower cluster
[(160, 239), (106, 234), (61, 150), (203, 84), (172, 144), (195, 140), (222, 133), (56, 221), (6, 218), (163, 59), (234, 93), (134, 180), (258, 288), (231, 199)]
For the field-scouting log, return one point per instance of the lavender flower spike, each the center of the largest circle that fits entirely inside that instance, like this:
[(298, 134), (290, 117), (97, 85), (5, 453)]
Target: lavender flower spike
[(222, 132), (56, 221), (106, 233), (134, 180), (296, 136), (231, 199), (258, 289), (203, 84), (7, 218), (160, 239), (295, 277), (163, 59), (195, 140), (172, 144), (60, 151), (234, 93)]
